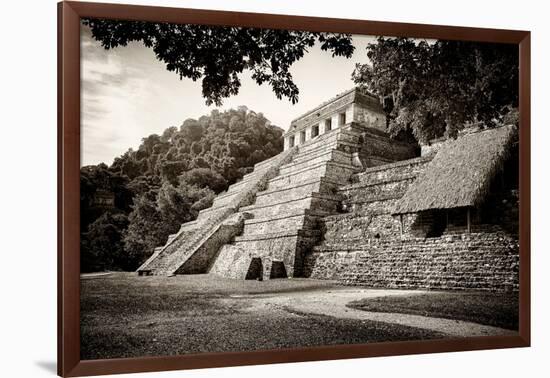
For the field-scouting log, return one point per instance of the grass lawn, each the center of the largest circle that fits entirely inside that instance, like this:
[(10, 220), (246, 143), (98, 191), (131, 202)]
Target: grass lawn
[(500, 310), (123, 315)]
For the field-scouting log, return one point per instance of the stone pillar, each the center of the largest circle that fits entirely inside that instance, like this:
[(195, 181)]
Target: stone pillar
[(286, 143), (308, 133), (324, 127), (335, 121), (299, 139), (349, 114)]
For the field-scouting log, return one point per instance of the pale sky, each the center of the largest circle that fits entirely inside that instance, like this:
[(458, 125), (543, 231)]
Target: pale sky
[(127, 94)]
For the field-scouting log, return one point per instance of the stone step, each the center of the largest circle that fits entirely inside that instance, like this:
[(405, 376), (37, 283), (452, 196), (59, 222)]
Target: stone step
[(226, 200), (278, 225), (333, 171), (404, 271), (322, 141), (188, 225), (313, 201), (243, 183), (438, 271), (319, 150), (427, 284), (254, 176), (341, 144), (436, 247), (320, 185), (338, 135), (319, 213), (278, 235), (270, 161), (302, 219), (212, 211), (449, 279), (239, 186), (331, 155), (391, 254), (231, 191)]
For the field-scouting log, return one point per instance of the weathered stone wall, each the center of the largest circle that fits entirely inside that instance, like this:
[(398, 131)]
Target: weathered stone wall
[(360, 226), (377, 144), (369, 115), (234, 259), (375, 190), (480, 261)]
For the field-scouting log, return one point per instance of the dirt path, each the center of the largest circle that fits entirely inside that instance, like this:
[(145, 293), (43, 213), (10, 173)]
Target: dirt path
[(333, 303)]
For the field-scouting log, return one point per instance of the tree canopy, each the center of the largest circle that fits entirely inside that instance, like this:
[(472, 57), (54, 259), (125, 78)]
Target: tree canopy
[(435, 88), (219, 54), (165, 182)]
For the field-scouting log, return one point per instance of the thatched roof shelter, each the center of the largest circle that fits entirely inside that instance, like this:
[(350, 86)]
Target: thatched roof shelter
[(460, 173)]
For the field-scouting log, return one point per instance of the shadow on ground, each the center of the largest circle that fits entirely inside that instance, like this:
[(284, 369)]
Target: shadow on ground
[(123, 315), (49, 366)]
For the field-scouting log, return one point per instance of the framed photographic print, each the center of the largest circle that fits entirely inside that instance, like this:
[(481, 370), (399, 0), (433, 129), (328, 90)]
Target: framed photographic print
[(240, 188)]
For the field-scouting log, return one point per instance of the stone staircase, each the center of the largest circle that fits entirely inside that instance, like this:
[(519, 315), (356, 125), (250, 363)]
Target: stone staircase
[(285, 217), (184, 252)]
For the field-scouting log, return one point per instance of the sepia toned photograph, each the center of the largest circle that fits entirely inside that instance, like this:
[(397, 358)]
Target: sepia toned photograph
[(252, 189)]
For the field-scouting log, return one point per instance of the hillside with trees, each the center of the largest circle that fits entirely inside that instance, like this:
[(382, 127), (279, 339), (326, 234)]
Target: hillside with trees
[(131, 206)]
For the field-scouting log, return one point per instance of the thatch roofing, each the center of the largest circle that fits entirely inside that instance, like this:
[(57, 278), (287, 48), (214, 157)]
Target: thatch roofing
[(460, 173)]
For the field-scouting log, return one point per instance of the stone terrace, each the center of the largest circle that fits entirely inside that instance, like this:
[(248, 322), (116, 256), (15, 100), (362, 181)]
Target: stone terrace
[(366, 245)]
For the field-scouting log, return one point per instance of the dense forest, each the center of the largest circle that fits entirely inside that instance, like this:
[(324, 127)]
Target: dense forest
[(437, 88), (131, 206)]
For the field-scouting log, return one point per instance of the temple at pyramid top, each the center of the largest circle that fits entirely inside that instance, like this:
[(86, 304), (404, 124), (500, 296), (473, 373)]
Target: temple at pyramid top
[(353, 105)]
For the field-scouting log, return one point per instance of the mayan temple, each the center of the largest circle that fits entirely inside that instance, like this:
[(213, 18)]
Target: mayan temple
[(344, 201)]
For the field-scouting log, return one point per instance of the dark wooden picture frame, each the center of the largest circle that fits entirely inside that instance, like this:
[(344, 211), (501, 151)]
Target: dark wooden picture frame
[(69, 15)]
